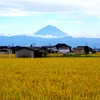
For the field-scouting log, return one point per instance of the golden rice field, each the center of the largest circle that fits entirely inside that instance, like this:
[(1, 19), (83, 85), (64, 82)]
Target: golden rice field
[(50, 78)]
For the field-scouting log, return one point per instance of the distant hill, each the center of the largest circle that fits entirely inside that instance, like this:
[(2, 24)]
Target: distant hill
[(37, 40), (51, 31)]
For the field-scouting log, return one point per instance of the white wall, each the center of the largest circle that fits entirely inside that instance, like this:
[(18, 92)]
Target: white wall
[(64, 50)]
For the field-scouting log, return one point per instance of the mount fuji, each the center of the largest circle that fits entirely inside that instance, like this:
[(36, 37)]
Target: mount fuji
[(51, 31)]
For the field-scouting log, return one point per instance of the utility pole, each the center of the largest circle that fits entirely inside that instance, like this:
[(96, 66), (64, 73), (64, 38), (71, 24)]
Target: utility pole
[(86, 44)]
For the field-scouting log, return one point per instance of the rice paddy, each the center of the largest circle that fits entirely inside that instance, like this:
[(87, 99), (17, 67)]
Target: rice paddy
[(49, 78)]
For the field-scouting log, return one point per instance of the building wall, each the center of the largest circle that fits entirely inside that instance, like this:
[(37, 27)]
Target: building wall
[(24, 53), (82, 50), (64, 50), (79, 51)]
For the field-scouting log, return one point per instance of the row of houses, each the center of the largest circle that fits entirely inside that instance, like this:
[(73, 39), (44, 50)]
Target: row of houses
[(39, 51)]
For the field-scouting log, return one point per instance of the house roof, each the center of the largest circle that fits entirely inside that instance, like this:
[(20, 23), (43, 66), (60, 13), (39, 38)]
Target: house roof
[(36, 48), (29, 48), (83, 47), (4, 47), (48, 46), (62, 45), (78, 48)]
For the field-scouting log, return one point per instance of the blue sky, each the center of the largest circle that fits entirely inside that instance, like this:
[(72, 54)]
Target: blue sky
[(78, 18)]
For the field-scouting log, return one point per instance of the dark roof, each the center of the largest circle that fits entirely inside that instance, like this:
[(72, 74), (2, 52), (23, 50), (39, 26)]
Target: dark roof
[(3, 47), (62, 44), (78, 48), (47, 46), (29, 48), (84, 47), (36, 48)]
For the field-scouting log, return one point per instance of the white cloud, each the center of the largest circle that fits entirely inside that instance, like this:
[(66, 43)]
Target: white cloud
[(28, 34), (25, 7), (12, 12), (91, 35), (42, 36), (45, 36)]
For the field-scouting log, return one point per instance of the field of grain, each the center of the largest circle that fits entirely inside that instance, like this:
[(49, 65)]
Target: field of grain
[(50, 78)]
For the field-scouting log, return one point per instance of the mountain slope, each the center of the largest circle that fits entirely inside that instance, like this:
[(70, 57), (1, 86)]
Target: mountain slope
[(51, 31)]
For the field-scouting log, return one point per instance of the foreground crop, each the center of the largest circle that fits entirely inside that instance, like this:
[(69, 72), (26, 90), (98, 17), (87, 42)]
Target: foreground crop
[(50, 79)]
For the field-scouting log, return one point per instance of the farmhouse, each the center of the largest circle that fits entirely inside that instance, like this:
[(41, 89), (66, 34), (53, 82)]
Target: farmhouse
[(28, 52), (82, 50), (63, 48), (5, 50), (50, 49)]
